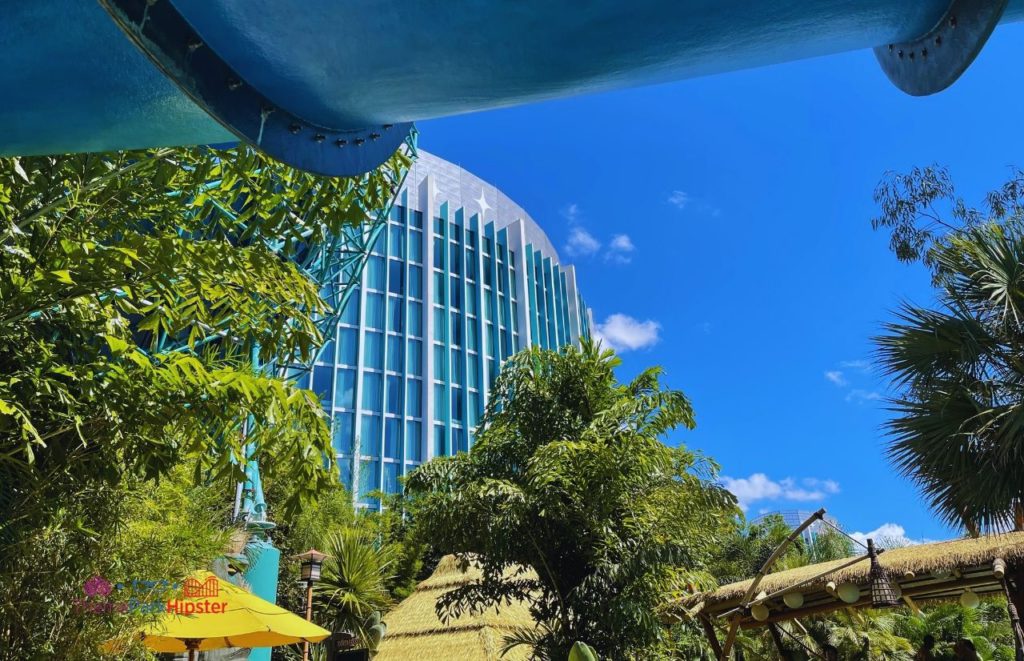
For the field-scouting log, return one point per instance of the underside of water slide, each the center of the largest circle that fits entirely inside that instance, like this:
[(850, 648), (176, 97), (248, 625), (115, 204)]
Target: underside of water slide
[(333, 87)]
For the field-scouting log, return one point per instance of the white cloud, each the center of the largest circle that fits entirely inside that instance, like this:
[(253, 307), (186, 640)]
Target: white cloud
[(620, 250), (859, 365), (624, 333), (679, 199), (571, 212), (581, 243), (860, 396), (836, 377), (759, 486), (828, 486), (888, 535)]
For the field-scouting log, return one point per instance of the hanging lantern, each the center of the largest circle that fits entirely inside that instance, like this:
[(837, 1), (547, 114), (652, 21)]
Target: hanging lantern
[(793, 599), (760, 612), (969, 599), (884, 592)]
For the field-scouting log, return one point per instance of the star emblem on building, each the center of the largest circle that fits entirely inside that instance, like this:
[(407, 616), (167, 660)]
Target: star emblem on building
[(482, 201)]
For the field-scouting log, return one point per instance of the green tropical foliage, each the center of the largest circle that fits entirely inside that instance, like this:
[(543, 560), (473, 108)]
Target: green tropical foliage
[(959, 407), (353, 591), (569, 477), (137, 290)]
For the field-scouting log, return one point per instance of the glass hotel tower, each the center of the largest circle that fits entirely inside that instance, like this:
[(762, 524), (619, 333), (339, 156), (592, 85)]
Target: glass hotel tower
[(460, 280)]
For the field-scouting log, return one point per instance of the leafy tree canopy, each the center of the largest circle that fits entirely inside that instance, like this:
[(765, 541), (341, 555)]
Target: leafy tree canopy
[(138, 290), (569, 478), (956, 367)]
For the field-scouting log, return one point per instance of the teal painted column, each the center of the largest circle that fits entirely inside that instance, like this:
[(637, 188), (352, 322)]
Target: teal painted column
[(264, 560)]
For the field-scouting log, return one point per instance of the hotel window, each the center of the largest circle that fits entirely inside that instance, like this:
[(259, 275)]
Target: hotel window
[(438, 226), (456, 293), (471, 265), (459, 440), (395, 316), (396, 241), (413, 441), (439, 288), (456, 403), (472, 336), (440, 362), (440, 402), (488, 276), (394, 395), (416, 217), (373, 353), (345, 393), (395, 346), (415, 282), (454, 261), (326, 354), (439, 445), (369, 480), (375, 273), (457, 375), (414, 365), (350, 313), (438, 253), (369, 434), (348, 346), (416, 319), (342, 432), (390, 477), (440, 332), (371, 391), (392, 438), (378, 245), (456, 329), (416, 247), (414, 398), (323, 382), (396, 277), (375, 311)]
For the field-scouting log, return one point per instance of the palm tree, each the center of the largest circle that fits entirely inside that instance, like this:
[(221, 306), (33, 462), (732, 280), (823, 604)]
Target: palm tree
[(353, 589), (959, 370)]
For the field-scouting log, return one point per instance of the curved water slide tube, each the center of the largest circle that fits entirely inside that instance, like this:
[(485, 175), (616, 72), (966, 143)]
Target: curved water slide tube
[(333, 86)]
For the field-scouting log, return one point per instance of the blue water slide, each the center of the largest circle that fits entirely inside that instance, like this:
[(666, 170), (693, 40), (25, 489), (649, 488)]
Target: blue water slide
[(333, 87)]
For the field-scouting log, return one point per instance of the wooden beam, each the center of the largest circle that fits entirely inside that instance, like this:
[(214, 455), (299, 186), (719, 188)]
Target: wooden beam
[(730, 638), (864, 602), (709, 631)]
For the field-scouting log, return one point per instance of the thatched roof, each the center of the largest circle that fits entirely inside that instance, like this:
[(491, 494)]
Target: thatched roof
[(924, 572), (415, 632)]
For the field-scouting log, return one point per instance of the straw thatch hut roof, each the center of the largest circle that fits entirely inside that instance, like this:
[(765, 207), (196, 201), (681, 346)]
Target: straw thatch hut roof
[(415, 632), (924, 572)]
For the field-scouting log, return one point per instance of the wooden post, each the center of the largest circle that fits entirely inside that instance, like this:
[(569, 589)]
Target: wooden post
[(309, 617), (730, 638), (1015, 604), (709, 631)]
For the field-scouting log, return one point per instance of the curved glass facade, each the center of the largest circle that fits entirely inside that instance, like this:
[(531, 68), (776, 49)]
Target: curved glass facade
[(460, 279)]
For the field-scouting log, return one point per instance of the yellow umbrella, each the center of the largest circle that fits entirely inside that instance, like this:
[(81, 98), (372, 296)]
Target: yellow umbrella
[(212, 613)]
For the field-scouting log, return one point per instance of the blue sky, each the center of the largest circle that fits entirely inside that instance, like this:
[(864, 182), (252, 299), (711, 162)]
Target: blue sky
[(721, 229)]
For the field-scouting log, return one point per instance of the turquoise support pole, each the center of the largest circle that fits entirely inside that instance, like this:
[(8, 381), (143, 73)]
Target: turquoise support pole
[(264, 560)]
